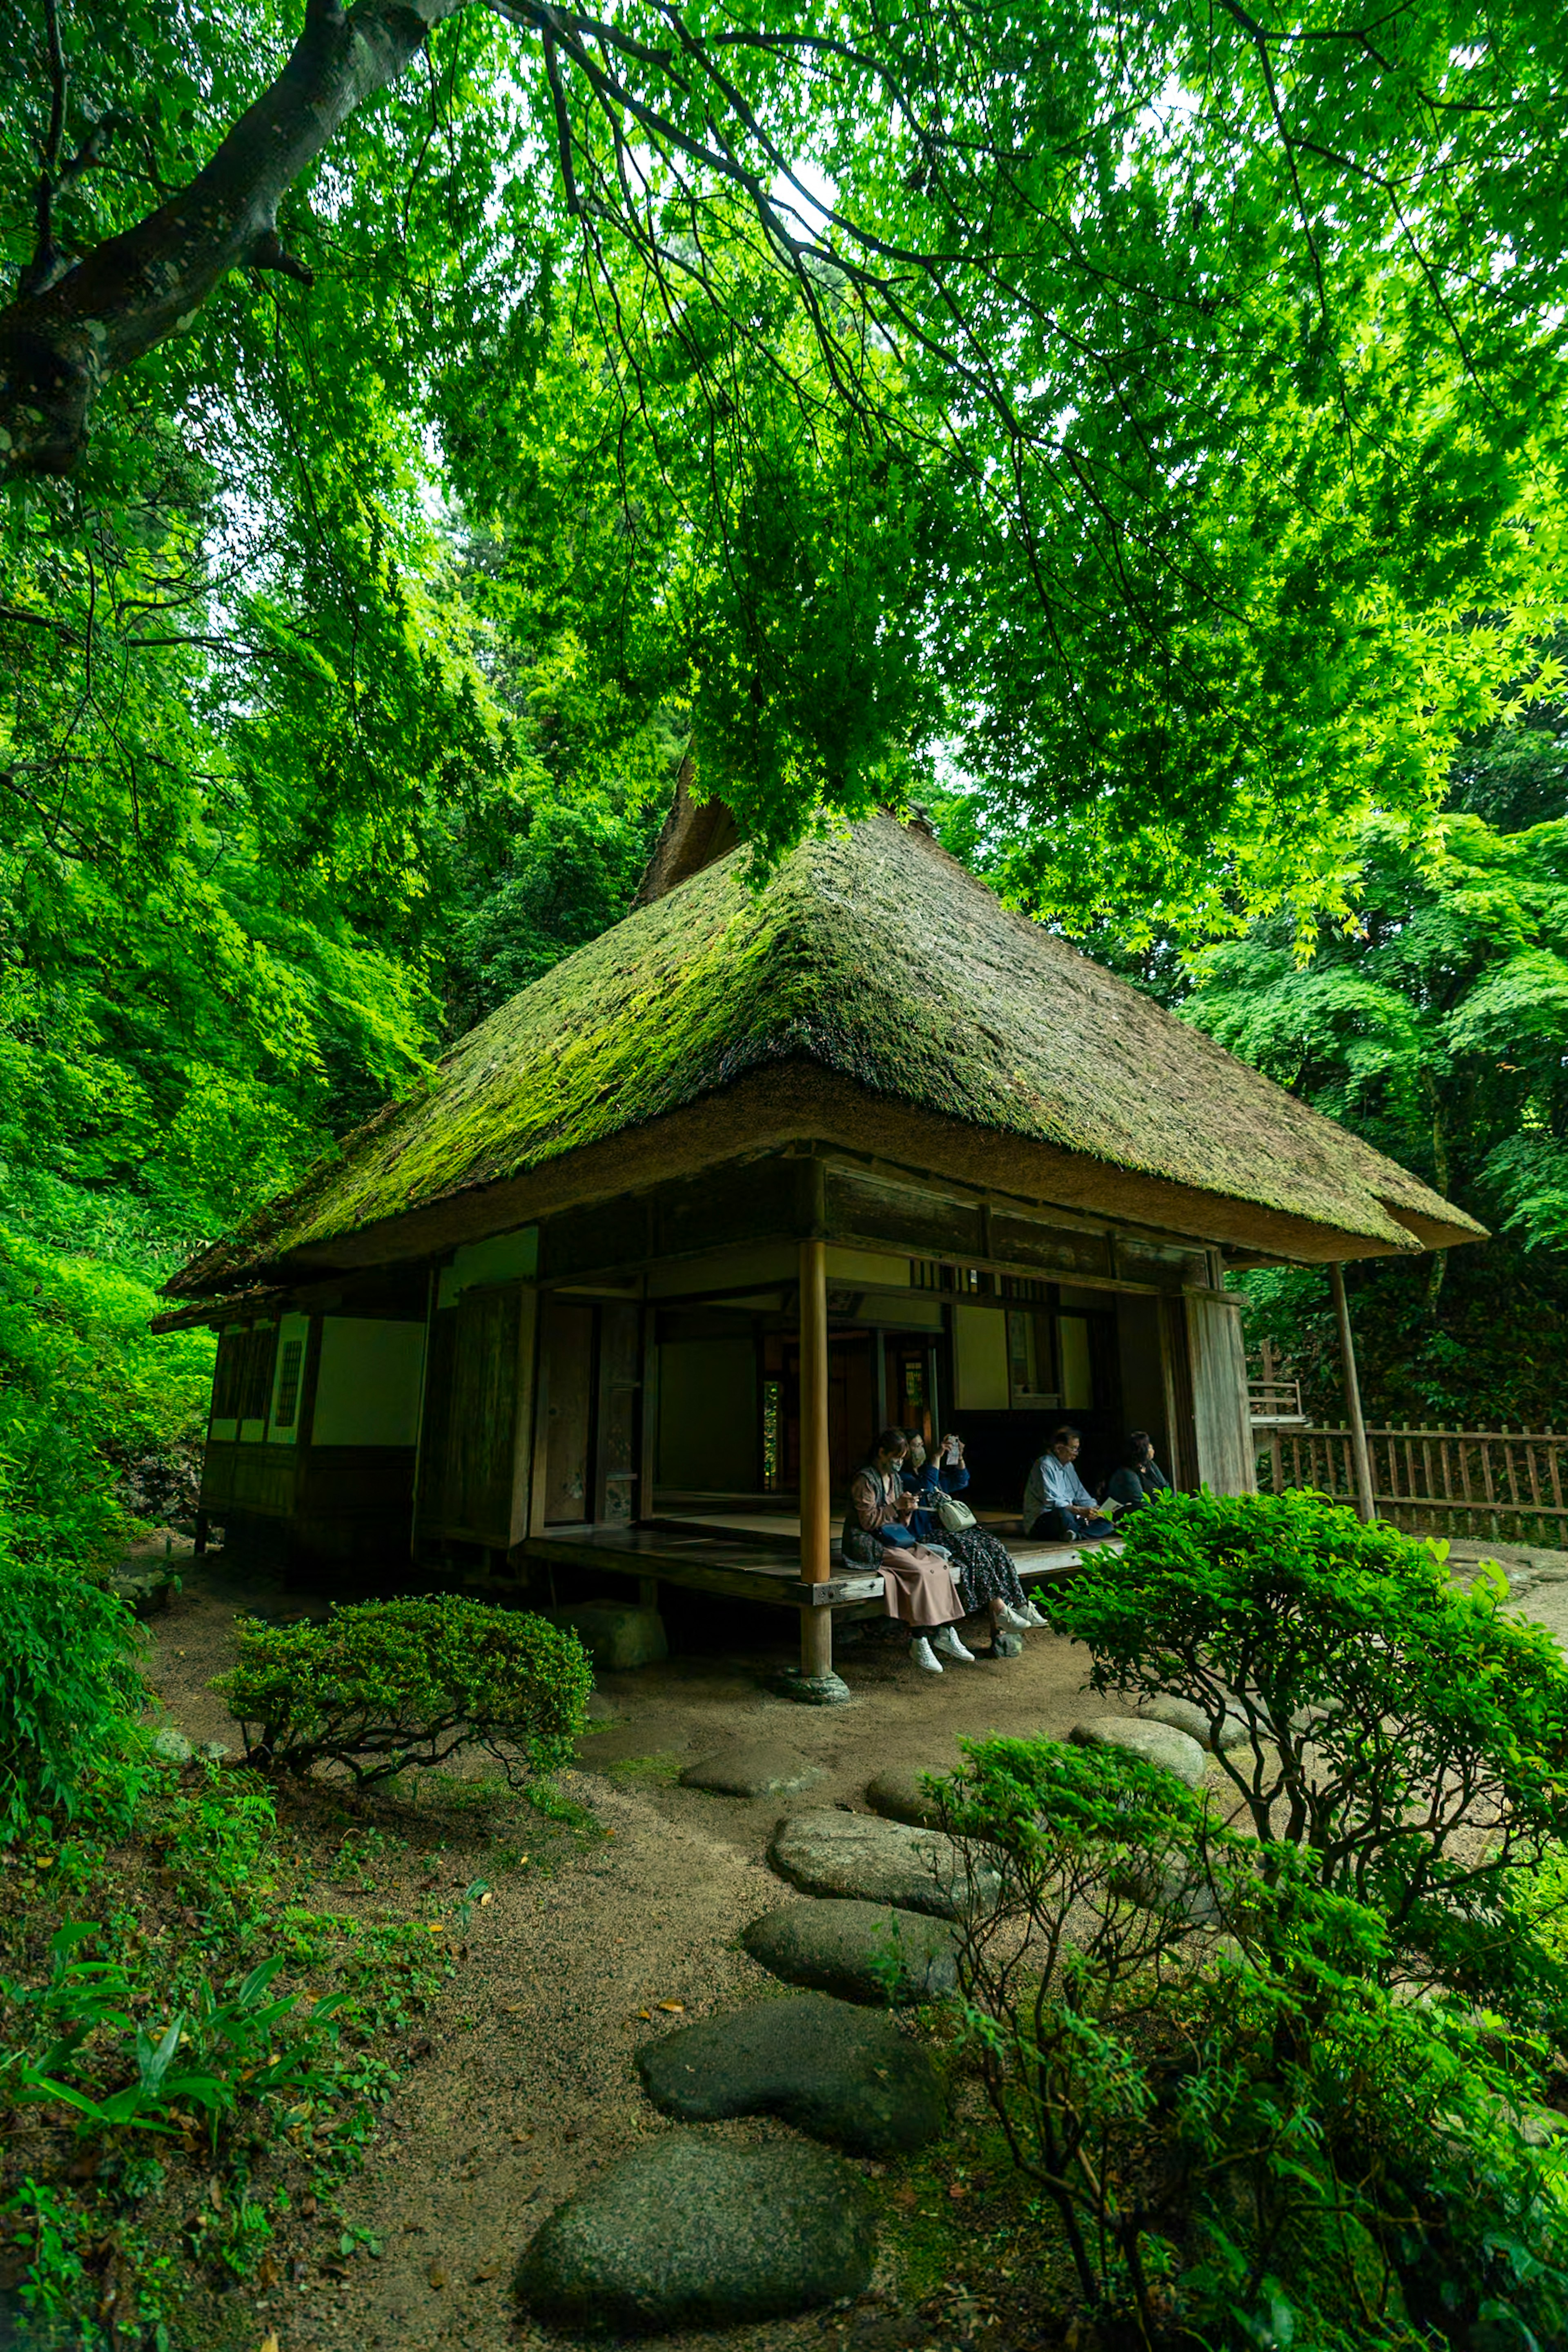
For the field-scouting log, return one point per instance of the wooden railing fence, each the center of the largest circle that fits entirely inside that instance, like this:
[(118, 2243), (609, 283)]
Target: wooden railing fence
[(1507, 1486)]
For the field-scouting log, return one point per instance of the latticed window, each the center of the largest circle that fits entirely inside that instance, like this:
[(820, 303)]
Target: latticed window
[(289, 1383), (242, 1383)]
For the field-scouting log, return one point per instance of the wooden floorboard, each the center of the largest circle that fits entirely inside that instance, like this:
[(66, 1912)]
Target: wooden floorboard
[(712, 1558)]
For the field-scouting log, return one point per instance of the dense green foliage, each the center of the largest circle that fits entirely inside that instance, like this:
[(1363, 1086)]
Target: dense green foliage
[(1434, 1021), (380, 1685), (1276, 2084), (1436, 1025), (96, 1417), (66, 1685), (341, 686)]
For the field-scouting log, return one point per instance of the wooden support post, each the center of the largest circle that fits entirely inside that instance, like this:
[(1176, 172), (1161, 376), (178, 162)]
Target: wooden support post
[(817, 1680), (816, 1645), (1366, 1509)]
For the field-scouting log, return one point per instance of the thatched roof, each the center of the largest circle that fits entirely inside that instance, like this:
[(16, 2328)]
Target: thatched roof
[(880, 959)]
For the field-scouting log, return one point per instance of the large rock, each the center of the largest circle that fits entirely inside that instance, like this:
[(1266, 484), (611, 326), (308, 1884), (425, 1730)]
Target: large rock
[(617, 1634), (1186, 1715), (830, 2069), (900, 1794), (832, 1852), (846, 1948), (1174, 1886), (687, 2233), (758, 1768), (1157, 1743)]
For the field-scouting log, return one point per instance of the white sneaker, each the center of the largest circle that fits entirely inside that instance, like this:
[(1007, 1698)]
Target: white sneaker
[(920, 1655), (1032, 1616), (1015, 1620), (948, 1642)]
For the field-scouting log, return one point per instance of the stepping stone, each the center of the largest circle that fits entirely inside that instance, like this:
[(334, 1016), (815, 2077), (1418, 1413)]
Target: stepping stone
[(900, 1795), (1157, 1743), (835, 1947), (1184, 1715), (692, 2233), (756, 1768), (826, 2067), (831, 1852)]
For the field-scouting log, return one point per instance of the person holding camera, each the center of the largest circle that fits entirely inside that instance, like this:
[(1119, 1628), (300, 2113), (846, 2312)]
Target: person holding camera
[(920, 1584), (990, 1578)]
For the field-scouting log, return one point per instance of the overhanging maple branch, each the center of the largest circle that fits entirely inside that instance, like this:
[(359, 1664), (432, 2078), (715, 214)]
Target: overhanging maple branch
[(60, 341)]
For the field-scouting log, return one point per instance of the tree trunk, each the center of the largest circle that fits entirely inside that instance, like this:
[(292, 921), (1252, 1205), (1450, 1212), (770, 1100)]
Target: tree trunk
[(58, 345)]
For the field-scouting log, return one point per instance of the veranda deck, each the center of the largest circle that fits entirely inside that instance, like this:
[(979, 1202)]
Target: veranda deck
[(750, 1554)]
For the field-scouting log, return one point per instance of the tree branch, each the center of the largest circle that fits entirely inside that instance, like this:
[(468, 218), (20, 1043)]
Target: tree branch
[(62, 337)]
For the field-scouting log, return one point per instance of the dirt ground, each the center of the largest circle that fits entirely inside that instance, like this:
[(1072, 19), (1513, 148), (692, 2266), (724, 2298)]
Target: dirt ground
[(527, 2086)]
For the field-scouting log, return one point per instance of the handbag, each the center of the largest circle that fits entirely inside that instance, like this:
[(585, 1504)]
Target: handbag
[(955, 1516)]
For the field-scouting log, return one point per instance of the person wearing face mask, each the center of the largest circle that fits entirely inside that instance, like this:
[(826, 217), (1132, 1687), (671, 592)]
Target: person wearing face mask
[(918, 1584), (990, 1577)]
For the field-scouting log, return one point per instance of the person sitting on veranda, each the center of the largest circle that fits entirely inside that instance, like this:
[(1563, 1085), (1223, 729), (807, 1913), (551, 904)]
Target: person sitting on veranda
[(1137, 1477), (990, 1574), (1057, 1505), (918, 1582)]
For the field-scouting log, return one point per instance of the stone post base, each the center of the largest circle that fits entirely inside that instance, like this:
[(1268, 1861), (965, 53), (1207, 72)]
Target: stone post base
[(815, 1690)]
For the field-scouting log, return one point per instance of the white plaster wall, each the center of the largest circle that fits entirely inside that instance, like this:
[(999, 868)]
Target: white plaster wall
[(980, 1360), (367, 1390)]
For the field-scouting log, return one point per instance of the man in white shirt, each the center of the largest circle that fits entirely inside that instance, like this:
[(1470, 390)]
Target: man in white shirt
[(1057, 1505)]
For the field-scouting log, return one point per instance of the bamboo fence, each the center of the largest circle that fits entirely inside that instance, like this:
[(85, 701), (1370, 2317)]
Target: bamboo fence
[(1502, 1485)]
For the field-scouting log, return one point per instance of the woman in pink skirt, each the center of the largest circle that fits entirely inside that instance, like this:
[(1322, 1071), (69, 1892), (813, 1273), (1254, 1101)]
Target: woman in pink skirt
[(917, 1581)]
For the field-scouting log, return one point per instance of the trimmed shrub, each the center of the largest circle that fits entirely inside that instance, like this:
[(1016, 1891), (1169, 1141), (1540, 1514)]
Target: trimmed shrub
[(1410, 1740), (384, 1684), (69, 1689), (1250, 2140)]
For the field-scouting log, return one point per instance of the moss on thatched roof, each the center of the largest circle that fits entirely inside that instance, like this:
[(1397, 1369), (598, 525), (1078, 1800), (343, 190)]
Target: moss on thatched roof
[(879, 958)]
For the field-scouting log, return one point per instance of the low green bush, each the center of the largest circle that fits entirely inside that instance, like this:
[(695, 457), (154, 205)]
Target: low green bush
[(68, 1688), (382, 1686), (1409, 1739), (1279, 2052)]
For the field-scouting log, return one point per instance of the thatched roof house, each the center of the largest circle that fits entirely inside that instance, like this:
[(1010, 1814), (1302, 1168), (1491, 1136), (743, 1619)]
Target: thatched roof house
[(1022, 1179), (874, 993)]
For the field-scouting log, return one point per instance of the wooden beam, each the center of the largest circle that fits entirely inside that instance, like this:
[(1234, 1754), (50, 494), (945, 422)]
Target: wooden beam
[(1366, 1504), (818, 1679), (816, 1467)]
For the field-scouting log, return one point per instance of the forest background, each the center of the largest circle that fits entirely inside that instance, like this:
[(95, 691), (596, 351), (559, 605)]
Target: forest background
[(1200, 569)]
